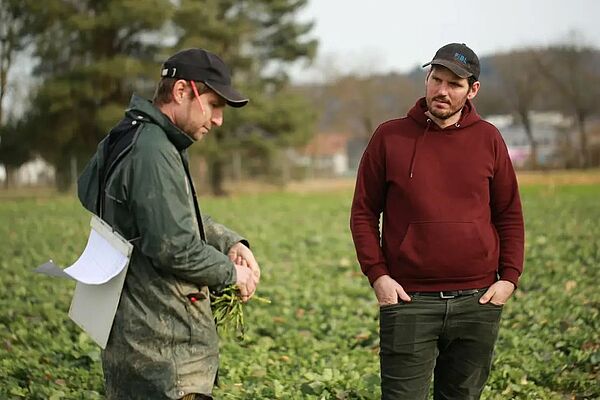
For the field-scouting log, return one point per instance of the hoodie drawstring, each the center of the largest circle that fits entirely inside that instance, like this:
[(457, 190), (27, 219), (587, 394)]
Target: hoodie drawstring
[(414, 156)]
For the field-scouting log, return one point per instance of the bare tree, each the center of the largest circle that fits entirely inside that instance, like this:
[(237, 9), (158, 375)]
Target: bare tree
[(360, 104), (521, 87), (574, 73)]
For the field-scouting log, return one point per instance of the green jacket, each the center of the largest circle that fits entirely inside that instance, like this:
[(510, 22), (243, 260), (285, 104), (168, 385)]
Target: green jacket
[(162, 345)]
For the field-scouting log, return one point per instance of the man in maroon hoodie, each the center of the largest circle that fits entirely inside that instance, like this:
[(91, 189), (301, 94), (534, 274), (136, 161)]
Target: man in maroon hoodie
[(451, 249)]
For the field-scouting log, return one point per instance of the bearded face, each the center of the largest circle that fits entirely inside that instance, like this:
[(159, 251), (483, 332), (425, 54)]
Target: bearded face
[(446, 93)]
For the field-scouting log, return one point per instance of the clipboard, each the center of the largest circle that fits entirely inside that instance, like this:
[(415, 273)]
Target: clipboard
[(100, 274)]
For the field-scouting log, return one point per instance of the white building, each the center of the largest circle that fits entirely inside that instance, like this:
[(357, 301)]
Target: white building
[(547, 128), (36, 172)]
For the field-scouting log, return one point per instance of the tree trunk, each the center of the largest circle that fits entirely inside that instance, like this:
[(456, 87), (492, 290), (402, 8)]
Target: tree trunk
[(6, 53), (1, 106), (533, 155), (583, 156), (73, 171), (10, 171), (62, 177), (216, 175), (216, 170), (236, 165), (286, 171), (3, 76), (367, 122)]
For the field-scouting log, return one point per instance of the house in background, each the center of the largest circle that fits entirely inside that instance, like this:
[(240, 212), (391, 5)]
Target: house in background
[(548, 129), (326, 155), (36, 172), (593, 130)]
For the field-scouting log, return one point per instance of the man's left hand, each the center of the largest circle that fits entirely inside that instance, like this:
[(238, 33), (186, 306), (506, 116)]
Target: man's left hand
[(498, 293), (242, 255)]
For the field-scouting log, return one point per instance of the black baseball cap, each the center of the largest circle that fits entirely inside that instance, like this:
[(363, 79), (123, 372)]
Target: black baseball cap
[(203, 66), (458, 58)]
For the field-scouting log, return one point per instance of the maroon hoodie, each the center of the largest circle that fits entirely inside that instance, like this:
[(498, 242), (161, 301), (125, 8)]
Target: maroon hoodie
[(451, 210)]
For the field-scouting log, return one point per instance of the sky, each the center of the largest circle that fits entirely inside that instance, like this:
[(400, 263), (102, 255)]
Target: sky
[(396, 35)]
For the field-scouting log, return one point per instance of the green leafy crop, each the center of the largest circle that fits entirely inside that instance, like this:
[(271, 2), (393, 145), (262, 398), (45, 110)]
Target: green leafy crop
[(318, 338)]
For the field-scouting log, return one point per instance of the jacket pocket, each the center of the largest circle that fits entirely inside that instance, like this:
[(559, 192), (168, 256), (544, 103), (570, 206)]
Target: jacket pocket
[(200, 321), (450, 248), (186, 288)]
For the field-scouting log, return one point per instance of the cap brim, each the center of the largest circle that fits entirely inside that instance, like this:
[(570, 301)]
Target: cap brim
[(231, 96), (457, 69)]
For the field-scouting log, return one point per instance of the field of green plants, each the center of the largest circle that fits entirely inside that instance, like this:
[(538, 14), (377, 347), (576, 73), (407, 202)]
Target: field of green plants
[(318, 337)]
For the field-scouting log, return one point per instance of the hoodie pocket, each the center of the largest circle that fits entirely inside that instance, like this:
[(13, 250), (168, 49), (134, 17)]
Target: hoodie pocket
[(453, 247)]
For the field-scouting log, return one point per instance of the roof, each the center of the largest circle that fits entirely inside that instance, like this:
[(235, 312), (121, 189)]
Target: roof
[(327, 144)]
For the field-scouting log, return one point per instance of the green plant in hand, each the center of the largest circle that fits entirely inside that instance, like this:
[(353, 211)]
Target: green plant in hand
[(228, 310)]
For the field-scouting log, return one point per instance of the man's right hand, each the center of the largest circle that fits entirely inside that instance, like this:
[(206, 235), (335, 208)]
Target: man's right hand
[(388, 291), (245, 281)]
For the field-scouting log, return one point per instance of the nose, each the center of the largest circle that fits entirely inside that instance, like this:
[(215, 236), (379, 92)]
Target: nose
[(217, 116), (443, 89)]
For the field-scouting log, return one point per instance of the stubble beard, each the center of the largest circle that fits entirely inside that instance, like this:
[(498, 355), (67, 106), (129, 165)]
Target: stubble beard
[(444, 115), (191, 128)]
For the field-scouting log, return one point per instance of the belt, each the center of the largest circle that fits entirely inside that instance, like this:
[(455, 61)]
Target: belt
[(449, 294), (195, 396)]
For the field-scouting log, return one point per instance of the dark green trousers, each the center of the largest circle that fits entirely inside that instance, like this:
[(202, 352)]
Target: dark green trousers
[(451, 338)]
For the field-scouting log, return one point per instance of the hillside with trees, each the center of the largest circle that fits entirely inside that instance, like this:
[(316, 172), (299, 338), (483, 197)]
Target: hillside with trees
[(90, 56)]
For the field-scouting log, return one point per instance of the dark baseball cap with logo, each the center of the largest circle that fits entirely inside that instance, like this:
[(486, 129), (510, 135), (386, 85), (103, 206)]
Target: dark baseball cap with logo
[(458, 58), (203, 66)]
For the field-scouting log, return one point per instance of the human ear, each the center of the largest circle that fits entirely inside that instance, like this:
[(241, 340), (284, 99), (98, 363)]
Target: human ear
[(179, 91), (473, 90)]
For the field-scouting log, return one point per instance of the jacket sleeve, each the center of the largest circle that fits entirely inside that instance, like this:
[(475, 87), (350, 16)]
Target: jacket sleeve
[(507, 215), (88, 182), (169, 232), (219, 236), (367, 205)]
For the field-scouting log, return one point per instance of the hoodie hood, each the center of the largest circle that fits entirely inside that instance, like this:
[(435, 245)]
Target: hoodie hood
[(468, 116)]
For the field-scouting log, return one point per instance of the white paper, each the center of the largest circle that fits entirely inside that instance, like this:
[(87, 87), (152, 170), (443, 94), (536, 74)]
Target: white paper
[(104, 257), (98, 263)]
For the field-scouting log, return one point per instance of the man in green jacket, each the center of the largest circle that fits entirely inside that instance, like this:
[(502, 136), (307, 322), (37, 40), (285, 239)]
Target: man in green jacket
[(164, 343)]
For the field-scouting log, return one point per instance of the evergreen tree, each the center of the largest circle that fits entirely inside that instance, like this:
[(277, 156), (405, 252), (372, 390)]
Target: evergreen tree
[(15, 36), (258, 39), (92, 55), (14, 149)]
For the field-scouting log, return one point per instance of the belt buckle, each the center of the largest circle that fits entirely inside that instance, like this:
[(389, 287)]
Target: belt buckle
[(443, 296)]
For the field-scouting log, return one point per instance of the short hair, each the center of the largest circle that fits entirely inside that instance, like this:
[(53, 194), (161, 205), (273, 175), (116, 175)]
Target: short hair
[(164, 91)]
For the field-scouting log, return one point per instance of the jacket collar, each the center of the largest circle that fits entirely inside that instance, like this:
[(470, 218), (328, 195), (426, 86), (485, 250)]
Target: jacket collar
[(139, 105)]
